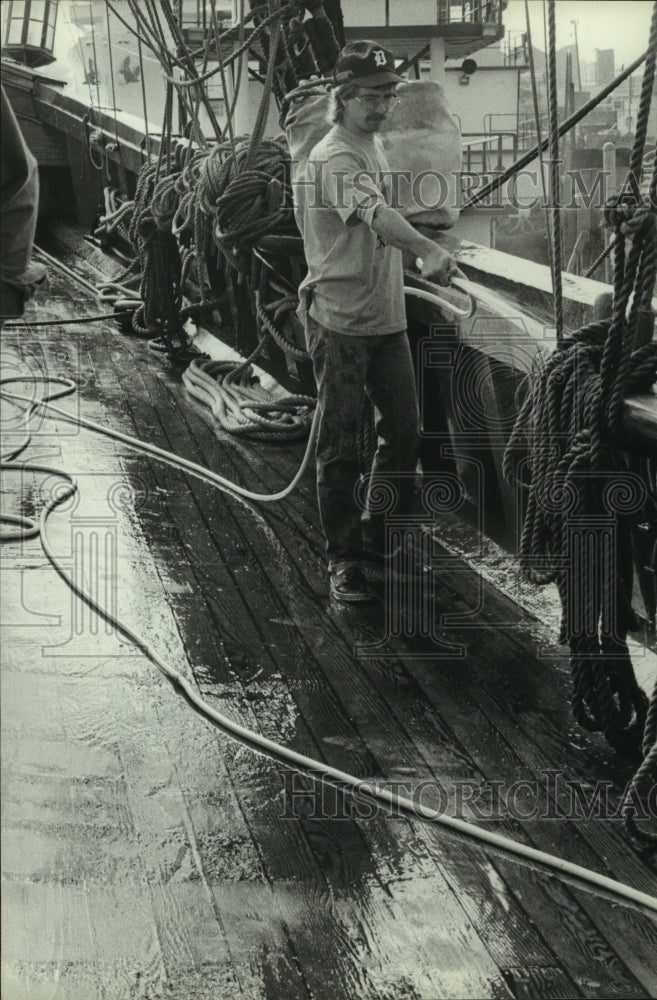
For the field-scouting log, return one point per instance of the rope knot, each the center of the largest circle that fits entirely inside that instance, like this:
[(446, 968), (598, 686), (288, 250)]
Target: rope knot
[(626, 215), (616, 213)]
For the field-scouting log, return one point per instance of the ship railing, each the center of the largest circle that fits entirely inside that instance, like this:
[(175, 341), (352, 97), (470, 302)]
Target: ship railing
[(484, 151), (493, 124), (443, 12), (527, 130), (478, 12)]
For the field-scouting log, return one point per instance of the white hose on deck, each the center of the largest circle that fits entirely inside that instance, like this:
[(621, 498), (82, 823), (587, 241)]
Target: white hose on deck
[(314, 767)]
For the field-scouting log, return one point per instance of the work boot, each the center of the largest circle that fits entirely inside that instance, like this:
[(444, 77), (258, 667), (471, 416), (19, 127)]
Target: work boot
[(348, 584), (380, 551), (390, 555)]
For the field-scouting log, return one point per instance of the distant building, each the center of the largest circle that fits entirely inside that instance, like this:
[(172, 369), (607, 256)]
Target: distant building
[(605, 66)]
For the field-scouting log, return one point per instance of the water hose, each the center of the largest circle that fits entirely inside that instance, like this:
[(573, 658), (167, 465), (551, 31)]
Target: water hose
[(268, 747), (429, 295)]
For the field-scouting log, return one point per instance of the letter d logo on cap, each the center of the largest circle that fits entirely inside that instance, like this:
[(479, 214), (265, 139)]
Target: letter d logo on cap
[(379, 57)]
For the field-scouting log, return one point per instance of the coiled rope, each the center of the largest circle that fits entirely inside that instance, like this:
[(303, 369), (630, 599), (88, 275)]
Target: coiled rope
[(242, 406), (226, 197)]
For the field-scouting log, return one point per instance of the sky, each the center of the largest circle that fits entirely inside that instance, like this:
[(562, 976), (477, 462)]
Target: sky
[(623, 25)]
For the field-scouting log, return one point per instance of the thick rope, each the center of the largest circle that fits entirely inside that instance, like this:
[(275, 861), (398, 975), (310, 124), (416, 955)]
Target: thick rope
[(268, 323), (226, 197), (574, 469), (324, 31), (241, 406), (249, 193), (579, 500), (643, 781)]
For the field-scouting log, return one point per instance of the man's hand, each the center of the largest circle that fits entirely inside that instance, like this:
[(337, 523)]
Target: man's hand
[(434, 263), (437, 265)]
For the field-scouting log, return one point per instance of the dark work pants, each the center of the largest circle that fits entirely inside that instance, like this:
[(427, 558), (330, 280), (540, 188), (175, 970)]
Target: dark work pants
[(345, 366)]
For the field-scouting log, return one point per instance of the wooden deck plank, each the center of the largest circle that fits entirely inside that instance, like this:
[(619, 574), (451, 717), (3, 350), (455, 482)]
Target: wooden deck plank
[(329, 849), (324, 859), (178, 925), (271, 655), (599, 943), (604, 918), (302, 615), (281, 866)]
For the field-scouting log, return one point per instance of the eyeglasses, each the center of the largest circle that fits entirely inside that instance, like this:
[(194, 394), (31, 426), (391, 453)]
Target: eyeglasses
[(375, 100)]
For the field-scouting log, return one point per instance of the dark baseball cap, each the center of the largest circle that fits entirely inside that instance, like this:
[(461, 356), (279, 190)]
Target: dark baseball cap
[(366, 63)]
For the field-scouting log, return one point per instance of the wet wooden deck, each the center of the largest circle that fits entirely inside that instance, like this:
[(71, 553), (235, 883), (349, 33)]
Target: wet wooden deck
[(147, 854)]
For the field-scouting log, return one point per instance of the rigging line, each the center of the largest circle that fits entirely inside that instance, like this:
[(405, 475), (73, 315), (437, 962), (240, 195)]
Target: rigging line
[(237, 66), (196, 133), (93, 42), (111, 66), (274, 16), (151, 7), (78, 48), (160, 47), (187, 64), (263, 111), (569, 123), (191, 70), (166, 134), (155, 16), (147, 26), (220, 57), (537, 121), (557, 263), (630, 184), (181, 50), (131, 29), (173, 61), (143, 98), (154, 44), (195, 128), (647, 87), (611, 246)]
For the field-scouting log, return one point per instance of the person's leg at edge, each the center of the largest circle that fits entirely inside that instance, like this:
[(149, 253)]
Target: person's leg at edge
[(390, 384), (340, 364)]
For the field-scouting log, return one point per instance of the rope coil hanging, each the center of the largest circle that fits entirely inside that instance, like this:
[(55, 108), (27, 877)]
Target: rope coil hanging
[(227, 196)]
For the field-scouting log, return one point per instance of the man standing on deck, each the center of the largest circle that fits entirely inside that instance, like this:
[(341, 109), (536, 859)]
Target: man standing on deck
[(19, 203), (352, 302)]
